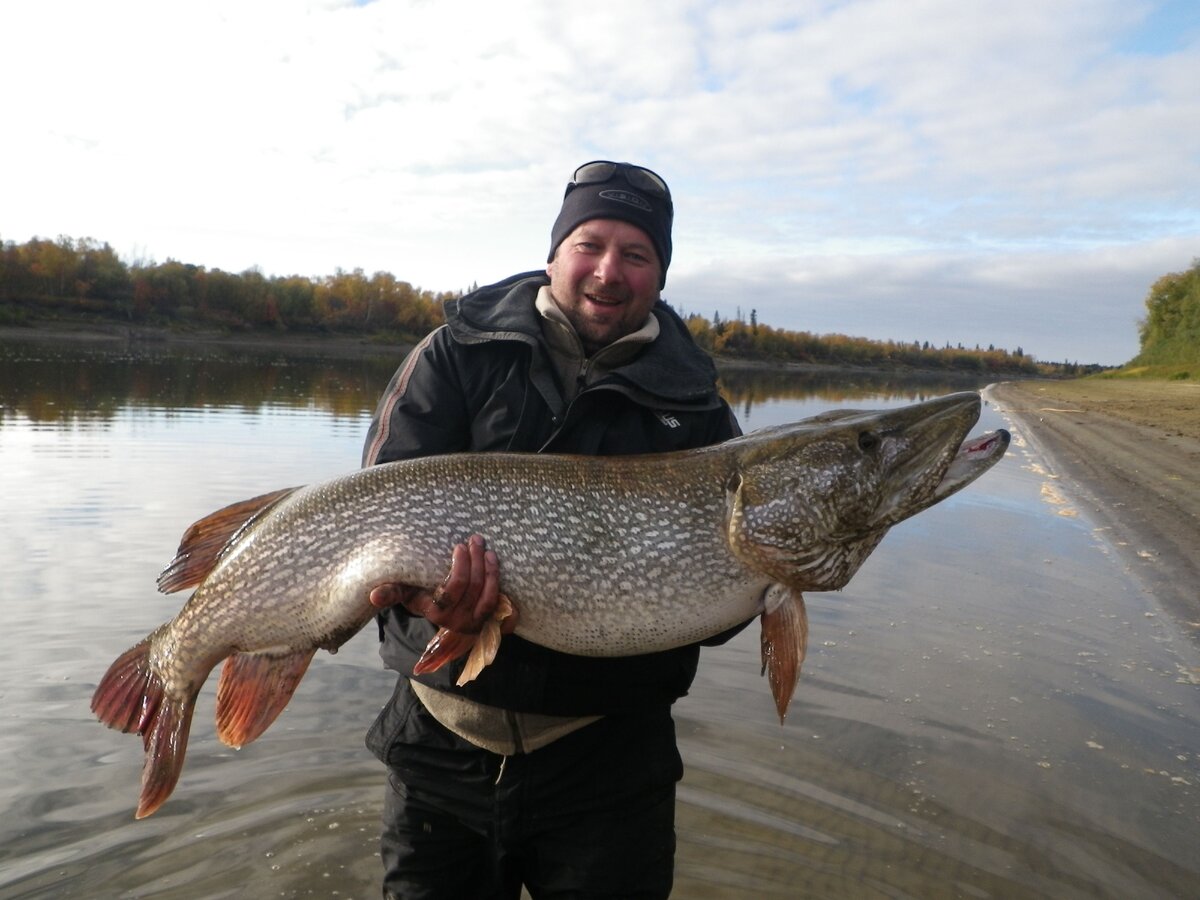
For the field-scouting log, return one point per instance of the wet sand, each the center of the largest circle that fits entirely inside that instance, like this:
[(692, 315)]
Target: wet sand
[(1131, 452)]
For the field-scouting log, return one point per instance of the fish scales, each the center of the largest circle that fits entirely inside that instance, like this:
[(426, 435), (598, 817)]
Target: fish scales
[(603, 556), (623, 534)]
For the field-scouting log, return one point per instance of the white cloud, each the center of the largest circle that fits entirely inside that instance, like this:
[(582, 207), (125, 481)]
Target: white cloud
[(919, 143)]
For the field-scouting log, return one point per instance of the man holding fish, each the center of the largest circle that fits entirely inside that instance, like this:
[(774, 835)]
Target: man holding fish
[(548, 770)]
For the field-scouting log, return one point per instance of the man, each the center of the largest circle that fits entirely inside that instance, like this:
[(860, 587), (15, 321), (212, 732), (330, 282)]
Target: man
[(553, 771)]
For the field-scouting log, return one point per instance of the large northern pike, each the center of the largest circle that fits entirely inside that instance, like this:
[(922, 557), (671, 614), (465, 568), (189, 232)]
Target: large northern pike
[(602, 556)]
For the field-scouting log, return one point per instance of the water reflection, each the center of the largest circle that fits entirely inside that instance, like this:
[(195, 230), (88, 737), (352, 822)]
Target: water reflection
[(52, 383), (49, 383), (991, 708), (749, 388)]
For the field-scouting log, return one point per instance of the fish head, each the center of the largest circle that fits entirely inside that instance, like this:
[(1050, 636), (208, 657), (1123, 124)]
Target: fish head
[(810, 501)]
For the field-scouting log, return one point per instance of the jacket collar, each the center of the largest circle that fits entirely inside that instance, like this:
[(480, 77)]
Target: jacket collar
[(670, 367)]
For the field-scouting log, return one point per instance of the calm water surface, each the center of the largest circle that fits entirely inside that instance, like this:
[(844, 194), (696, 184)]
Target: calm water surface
[(992, 708)]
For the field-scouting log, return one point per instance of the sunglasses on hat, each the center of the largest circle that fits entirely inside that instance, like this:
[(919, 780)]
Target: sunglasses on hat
[(601, 170)]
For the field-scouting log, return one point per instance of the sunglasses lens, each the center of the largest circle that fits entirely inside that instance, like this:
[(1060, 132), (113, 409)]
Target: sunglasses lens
[(594, 173), (647, 181)]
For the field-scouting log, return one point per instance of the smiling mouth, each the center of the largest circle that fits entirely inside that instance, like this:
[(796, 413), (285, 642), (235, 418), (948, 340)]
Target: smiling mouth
[(602, 300)]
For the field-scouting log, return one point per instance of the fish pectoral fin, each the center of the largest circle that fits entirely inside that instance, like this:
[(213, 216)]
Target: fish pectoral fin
[(130, 697), (254, 689), (202, 543), (447, 646), (444, 647), (784, 643)]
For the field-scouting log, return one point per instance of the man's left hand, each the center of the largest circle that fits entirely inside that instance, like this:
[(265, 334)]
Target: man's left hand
[(464, 601)]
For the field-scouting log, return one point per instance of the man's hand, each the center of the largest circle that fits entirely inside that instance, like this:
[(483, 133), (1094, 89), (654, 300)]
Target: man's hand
[(464, 601)]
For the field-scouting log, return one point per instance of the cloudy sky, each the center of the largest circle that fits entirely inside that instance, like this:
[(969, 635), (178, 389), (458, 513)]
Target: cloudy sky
[(1014, 173)]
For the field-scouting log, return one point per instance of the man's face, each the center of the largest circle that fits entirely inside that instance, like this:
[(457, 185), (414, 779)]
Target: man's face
[(604, 277)]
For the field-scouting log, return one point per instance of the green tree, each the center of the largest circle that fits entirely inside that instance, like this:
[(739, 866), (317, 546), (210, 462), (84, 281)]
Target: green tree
[(1171, 329)]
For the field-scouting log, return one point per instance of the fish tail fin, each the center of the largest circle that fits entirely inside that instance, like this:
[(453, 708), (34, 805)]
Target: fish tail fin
[(131, 698), (166, 741), (447, 646), (253, 690), (784, 643)]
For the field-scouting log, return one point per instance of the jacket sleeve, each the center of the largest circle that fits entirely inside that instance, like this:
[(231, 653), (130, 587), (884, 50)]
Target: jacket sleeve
[(422, 412)]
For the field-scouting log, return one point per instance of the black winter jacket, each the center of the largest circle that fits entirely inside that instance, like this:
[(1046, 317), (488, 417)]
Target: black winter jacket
[(485, 382)]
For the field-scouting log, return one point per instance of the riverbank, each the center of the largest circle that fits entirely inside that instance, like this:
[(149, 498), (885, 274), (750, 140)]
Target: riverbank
[(1130, 450), (114, 337)]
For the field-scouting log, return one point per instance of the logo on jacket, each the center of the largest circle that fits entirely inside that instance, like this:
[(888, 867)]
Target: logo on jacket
[(669, 420)]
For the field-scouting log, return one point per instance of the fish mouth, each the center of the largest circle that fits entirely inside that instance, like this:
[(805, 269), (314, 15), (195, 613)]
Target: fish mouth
[(974, 457), (940, 459)]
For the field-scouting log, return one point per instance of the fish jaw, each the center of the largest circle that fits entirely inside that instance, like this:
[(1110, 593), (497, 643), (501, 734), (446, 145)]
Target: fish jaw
[(974, 457)]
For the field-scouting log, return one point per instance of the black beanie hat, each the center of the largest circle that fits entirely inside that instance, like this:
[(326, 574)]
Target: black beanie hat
[(616, 198)]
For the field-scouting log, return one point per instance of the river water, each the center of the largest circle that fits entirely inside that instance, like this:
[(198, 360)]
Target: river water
[(993, 707)]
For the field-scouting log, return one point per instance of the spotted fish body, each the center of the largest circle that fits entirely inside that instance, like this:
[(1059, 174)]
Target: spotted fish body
[(602, 556)]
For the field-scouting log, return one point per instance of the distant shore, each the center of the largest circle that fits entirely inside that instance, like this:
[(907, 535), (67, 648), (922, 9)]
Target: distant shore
[(1131, 450), (149, 339)]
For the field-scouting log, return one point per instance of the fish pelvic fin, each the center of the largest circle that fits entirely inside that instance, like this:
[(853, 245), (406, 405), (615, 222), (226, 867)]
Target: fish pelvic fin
[(202, 543), (480, 649), (131, 698), (254, 689), (784, 643)]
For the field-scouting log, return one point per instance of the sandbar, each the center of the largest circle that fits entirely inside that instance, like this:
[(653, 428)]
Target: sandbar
[(1130, 452)]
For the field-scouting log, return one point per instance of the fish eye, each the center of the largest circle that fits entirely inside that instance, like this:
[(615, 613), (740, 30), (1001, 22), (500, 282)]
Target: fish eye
[(868, 441)]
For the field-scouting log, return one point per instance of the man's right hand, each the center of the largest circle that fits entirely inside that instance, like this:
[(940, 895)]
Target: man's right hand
[(464, 601)]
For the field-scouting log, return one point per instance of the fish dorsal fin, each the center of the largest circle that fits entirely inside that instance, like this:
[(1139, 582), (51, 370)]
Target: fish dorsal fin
[(784, 642), (202, 543), (253, 690)]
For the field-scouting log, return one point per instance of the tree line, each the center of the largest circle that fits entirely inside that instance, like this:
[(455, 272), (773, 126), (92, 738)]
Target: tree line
[(82, 277), (753, 340)]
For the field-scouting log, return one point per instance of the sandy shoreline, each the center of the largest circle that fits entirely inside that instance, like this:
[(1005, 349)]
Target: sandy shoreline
[(1130, 451)]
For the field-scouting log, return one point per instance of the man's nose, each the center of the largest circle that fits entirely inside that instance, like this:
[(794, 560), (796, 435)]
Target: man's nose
[(608, 266)]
